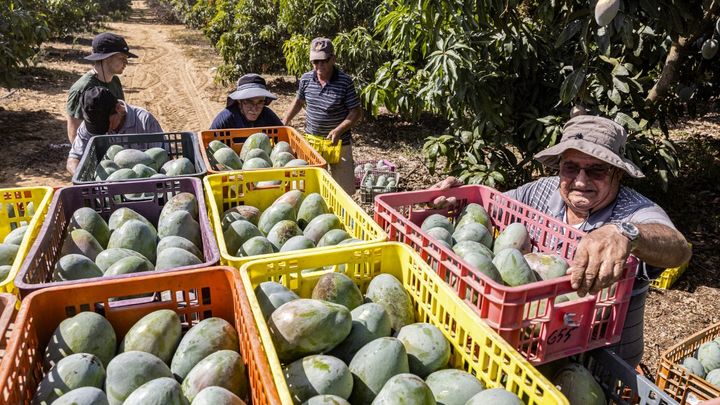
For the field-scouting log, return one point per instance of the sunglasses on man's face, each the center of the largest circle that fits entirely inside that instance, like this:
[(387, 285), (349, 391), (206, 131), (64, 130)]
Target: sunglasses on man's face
[(594, 172), (320, 61)]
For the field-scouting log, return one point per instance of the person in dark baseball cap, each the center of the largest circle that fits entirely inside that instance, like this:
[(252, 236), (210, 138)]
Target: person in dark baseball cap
[(104, 114), (247, 106), (110, 55), (332, 108)]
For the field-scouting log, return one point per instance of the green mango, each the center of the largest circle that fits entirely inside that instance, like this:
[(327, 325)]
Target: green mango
[(208, 336), (157, 333), (86, 332), (224, 368), (128, 371), (317, 375)]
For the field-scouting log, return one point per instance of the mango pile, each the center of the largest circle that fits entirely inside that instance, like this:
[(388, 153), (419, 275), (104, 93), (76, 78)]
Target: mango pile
[(506, 260), (154, 364), (337, 347), (361, 169), (292, 222), (376, 175), (125, 164), (706, 362), (129, 243), (256, 153), (383, 181)]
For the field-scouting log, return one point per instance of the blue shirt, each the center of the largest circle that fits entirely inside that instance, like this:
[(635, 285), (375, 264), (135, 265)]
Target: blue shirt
[(137, 121), (326, 107), (232, 117)]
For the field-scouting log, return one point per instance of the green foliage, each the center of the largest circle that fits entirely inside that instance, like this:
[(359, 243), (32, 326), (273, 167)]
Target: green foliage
[(296, 50), (505, 80), (66, 17), (22, 30), (253, 41), (25, 24), (503, 74)]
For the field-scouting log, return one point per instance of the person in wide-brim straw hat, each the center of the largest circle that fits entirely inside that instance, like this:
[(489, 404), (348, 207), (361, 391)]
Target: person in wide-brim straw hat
[(595, 136), (587, 194), (247, 106)]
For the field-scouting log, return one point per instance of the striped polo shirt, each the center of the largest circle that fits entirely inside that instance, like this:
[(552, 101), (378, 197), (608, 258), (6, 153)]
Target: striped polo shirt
[(326, 107)]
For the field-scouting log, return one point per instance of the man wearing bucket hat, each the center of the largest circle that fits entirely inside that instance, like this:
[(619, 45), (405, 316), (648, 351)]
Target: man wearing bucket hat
[(587, 194), (247, 106), (104, 114), (332, 107), (110, 54)]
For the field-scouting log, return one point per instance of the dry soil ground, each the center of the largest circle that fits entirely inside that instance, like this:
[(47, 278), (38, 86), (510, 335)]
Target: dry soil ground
[(173, 78)]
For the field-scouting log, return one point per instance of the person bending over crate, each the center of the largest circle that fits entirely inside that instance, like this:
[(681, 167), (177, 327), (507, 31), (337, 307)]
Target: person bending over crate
[(110, 53), (247, 106), (104, 114), (331, 107), (587, 194)]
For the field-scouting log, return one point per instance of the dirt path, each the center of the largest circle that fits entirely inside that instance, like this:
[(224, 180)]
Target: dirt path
[(163, 79), (179, 90)]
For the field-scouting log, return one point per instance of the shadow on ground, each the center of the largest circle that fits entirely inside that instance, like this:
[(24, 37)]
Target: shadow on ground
[(37, 140), (47, 80), (692, 201)]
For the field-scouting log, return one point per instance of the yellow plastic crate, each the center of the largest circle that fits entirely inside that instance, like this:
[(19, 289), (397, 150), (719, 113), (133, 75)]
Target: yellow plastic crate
[(329, 151), (14, 213), (475, 347), (229, 189), (670, 276)]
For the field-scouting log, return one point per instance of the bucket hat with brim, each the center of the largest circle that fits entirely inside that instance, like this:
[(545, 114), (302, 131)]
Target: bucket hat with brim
[(598, 137), (251, 85), (108, 44)]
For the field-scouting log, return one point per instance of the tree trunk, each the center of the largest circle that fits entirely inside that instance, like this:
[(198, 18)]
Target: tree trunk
[(677, 54)]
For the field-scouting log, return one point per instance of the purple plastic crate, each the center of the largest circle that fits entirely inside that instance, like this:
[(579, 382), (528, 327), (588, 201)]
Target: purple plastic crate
[(177, 144), (36, 271)]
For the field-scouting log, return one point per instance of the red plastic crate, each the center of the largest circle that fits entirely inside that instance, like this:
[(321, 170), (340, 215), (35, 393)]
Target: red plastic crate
[(553, 331)]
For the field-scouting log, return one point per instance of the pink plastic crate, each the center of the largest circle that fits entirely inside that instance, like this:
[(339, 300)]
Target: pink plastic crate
[(525, 316)]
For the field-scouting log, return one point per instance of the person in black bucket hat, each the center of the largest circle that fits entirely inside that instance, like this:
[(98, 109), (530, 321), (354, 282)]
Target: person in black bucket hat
[(587, 194), (104, 114), (110, 55), (108, 44), (247, 106)]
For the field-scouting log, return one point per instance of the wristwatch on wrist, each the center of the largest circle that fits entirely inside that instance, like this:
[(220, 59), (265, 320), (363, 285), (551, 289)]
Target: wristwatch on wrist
[(630, 231)]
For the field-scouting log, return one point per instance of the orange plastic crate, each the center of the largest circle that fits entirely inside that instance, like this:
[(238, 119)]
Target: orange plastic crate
[(676, 381), (193, 294), (8, 311), (235, 138)]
